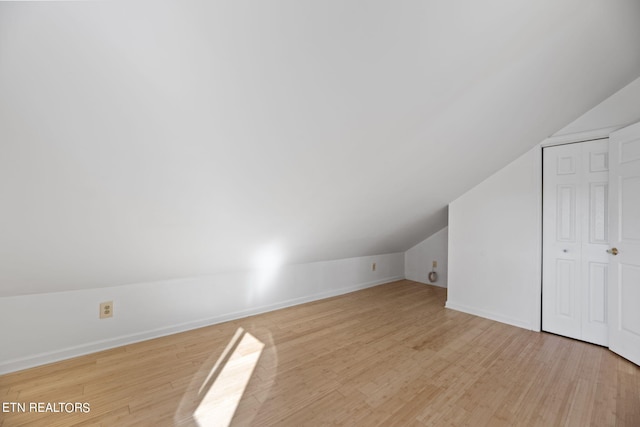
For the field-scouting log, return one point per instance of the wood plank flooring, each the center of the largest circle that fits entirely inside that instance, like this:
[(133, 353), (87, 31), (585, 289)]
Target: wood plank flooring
[(389, 355)]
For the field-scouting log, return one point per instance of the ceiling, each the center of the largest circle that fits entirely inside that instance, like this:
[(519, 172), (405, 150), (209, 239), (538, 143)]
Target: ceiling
[(142, 141)]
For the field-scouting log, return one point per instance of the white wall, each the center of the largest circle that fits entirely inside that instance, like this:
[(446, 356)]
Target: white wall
[(494, 246), (418, 260), (619, 110), (144, 143), (495, 228), (43, 328)]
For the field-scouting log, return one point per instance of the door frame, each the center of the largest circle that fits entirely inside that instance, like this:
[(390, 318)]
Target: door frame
[(574, 138)]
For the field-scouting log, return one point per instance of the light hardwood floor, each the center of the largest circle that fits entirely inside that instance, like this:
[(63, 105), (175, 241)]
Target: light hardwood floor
[(389, 355)]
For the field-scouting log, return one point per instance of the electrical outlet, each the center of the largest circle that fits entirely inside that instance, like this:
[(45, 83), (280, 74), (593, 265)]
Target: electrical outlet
[(373, 267), (106, 309), (435, 264)]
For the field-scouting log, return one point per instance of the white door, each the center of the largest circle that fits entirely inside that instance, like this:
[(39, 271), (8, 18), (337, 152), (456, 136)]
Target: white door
[(575, 240), (624, 270)]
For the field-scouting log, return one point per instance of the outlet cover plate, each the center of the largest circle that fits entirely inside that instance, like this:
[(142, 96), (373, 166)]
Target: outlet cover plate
[(106, 309)]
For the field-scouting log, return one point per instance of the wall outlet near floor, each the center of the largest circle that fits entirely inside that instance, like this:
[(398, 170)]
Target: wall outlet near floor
[(106, 309), (435, 264), (373, 267)]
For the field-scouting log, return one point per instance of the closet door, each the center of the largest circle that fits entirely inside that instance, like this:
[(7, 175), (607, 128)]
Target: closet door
[(624, 255), (594, 263), (575, 240), (561, 308)]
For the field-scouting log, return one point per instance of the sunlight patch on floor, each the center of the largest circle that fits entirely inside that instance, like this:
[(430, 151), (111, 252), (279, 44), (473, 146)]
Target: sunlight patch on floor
[(233, 369)]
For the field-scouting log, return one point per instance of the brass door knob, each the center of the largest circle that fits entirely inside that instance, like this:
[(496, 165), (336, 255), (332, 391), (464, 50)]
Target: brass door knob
[(613, 251)]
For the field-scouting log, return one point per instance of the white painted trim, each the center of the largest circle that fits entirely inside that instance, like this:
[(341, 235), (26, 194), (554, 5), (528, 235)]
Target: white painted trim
[(582, 136), (536, 315), (432, 284), (487, 314), (81, 350)]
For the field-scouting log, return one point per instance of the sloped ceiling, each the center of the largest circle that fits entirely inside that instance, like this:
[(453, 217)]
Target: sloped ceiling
[(147, 141)]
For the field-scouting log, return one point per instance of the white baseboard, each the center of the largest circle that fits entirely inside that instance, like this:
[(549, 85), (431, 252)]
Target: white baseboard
[(439, 285), (95, 346), (488, 315)]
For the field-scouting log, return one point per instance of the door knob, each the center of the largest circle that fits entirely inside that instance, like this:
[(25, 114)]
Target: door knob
[(613, 251)]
